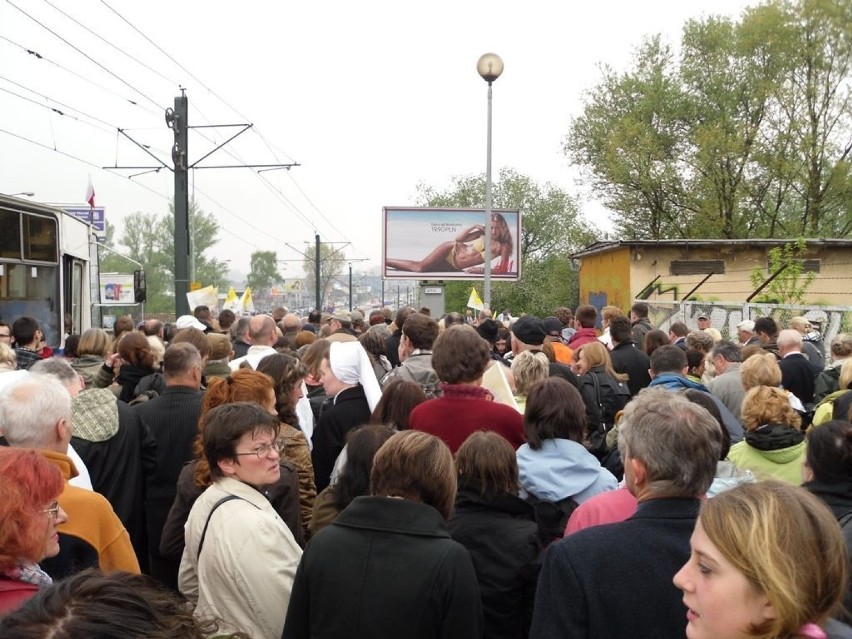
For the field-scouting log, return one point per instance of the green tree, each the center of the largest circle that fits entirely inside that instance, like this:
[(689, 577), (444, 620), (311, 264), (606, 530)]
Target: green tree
[(790, 282), (746, 133), (331, 266), (552, 228), (264, 270)]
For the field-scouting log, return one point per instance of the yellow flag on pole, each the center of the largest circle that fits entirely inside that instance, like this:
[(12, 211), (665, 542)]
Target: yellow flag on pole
[(246, 301), (474, 301), (232, 302)]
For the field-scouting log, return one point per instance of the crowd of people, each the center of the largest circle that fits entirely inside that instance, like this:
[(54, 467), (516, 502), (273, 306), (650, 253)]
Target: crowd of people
[(587, 474)]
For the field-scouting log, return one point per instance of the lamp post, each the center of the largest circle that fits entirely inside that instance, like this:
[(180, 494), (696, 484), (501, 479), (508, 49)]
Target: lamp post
[(489, 66)]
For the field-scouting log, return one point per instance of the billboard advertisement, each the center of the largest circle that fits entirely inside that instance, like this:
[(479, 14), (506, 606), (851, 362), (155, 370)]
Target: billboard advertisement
[(449, 244), (116, 289)]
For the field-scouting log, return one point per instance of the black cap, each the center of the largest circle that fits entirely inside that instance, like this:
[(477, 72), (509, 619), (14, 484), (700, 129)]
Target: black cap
[(529, 330)]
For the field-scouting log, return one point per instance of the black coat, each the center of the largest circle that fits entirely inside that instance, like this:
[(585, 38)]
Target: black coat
[(392, 347), (172, 419), (502, 537), (350, 410), (627, 358), (615, 581), (798, 375), (384, 568)]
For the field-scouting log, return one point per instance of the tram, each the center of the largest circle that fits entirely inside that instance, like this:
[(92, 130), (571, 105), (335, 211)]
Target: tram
[(45, 257)]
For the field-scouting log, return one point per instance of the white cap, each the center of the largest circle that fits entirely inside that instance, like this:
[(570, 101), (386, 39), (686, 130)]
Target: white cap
[(189, 321), (746, 325)]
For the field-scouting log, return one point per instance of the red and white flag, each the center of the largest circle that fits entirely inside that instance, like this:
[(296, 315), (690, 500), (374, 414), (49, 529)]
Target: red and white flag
[(90, 193)]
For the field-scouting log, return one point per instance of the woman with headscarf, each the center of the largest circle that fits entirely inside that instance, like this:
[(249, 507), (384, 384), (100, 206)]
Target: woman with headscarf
[(349, 380), (29, 515)]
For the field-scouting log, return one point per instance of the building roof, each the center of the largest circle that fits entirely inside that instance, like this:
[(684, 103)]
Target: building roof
[(611, 245)]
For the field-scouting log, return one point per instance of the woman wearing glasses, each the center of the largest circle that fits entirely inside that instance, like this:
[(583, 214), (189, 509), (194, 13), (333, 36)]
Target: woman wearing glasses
[(29, 514), (240, 558)]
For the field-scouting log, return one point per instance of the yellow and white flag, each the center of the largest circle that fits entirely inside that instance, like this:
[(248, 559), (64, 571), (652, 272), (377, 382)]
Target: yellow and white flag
[(206, 296), (232, 302), (474, 301), (246, 301)]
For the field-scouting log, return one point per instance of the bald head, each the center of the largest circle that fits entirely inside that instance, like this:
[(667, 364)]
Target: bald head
[(789, 341), (291, 322), (262, 331)]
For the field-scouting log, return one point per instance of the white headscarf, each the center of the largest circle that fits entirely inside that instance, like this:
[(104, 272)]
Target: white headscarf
[(351, 365)]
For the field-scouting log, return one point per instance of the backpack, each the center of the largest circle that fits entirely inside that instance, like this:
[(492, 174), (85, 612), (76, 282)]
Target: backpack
[(611, 396), (551, 517), (824, 410)]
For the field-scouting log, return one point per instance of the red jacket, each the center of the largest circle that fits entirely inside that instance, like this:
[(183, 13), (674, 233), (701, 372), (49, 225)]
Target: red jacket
[(14, 593), (582, 337), (463, 410)]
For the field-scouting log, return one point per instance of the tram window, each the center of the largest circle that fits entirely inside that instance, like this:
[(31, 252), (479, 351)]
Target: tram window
[(10, 234), (39, 238)]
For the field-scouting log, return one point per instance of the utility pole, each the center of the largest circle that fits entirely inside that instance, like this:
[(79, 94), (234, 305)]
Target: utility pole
[(177, 120), (350, 287), (180, 126), (317, 262)]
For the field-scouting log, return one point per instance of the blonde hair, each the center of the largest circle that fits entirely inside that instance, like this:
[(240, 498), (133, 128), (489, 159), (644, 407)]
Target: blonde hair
[(8, 360), (768, 405), (760, 370), (529, 367), (608, 313), (596, 354), (845, 375), (776, 535), (157, 348), (94, 341)]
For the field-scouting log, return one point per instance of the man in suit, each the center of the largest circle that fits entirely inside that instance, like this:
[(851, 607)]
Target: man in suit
[(172, 419), (728, 383), (797, 373), (615, 580)]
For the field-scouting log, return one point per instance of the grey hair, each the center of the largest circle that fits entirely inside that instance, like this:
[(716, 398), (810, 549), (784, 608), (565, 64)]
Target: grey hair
[(729, 351), (57, 368), (678, 441), (31, 408)]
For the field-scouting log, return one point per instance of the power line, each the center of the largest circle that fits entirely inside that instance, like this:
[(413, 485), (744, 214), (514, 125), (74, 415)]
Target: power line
[(78, 159), (81, 52), (105, 41)]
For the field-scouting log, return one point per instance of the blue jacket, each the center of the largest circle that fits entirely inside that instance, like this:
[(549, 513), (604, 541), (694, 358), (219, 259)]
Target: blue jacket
[(562, 468), (676, 383)]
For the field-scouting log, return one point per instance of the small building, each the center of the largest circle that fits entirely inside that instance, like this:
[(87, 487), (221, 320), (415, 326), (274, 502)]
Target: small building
[(618, 272)]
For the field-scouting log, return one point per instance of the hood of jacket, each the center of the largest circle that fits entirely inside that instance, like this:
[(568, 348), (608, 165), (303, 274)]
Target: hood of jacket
[(560, 468), (673, 381), (95, 414)]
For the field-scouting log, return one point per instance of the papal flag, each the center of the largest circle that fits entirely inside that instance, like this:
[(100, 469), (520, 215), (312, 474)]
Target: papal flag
[(246, 301), (474, 301), (232, 302)]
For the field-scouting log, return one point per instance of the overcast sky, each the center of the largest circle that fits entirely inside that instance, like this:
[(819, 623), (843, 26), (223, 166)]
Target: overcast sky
[(370, 98)]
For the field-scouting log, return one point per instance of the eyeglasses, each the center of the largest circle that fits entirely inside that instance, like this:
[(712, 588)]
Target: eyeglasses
[(53, 511), (265, 449)]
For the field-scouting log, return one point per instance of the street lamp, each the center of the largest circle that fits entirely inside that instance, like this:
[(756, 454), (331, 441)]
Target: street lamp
[(489, 66)]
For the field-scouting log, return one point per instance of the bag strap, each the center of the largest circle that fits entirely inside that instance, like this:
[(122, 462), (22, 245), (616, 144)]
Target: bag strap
[(207, 523), (597, 392)]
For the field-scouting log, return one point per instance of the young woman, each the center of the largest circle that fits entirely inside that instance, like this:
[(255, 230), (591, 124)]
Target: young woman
[(604, 393), (29, 514), (466, 252), (768, 562)]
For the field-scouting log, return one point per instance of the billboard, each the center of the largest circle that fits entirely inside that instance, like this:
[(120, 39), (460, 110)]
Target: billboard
[(449, 244), (95, 216), (116, 289)]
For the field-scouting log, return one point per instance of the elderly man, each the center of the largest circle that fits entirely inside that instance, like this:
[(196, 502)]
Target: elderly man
[(35, 412), (728, 383), (812, 346), (797, 373), (263, 334), (704, 324), (670, 447), (746, 334)]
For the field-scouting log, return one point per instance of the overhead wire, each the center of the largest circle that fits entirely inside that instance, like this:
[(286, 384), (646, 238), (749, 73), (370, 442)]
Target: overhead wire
[(83, 53), (39, 56)]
